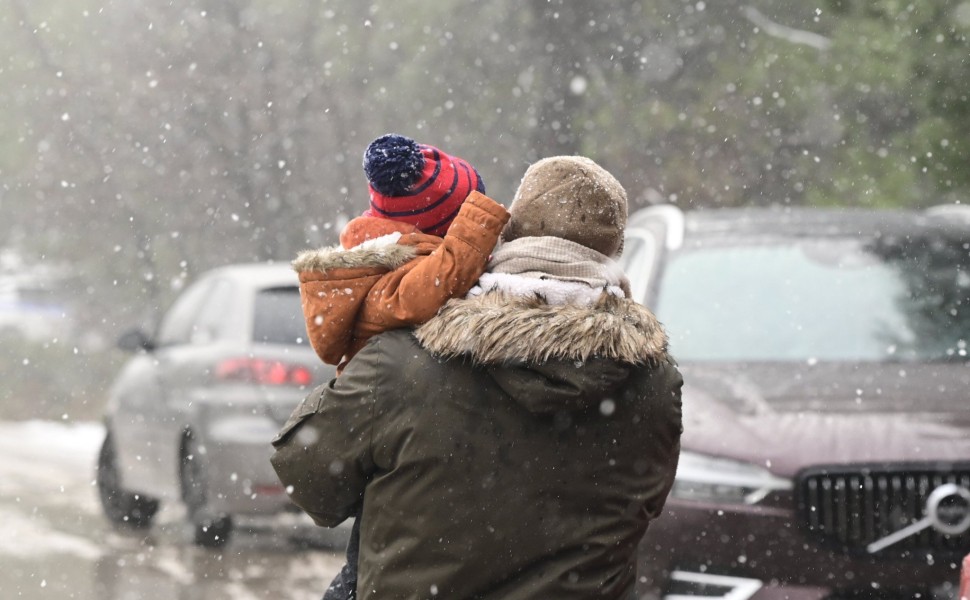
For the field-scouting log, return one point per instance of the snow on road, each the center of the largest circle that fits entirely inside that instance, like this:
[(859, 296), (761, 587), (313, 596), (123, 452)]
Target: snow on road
[(43, 456), (55, 543), (53, 461), (27, 537)]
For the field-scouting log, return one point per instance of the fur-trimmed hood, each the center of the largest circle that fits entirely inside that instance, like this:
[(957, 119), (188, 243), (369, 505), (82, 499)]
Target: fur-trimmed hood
[(549, 357), (380, 253), (500, 328)]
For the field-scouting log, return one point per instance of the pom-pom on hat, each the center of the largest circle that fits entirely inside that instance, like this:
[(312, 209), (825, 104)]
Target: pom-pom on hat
[(573, 198), (416, 183)]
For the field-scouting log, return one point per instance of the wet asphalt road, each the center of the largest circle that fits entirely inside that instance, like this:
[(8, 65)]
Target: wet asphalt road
[(54, 543)]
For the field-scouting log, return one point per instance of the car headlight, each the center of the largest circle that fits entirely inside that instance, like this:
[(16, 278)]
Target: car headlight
[(710, 479)]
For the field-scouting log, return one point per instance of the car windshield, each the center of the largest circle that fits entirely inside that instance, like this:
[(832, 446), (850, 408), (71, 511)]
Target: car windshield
[(884, 299), (277, 317)]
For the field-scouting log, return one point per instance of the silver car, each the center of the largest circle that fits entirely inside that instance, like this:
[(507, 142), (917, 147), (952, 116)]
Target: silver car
[(191, 415)]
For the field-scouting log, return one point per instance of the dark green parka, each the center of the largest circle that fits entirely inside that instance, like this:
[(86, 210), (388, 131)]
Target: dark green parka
[(507, 449)]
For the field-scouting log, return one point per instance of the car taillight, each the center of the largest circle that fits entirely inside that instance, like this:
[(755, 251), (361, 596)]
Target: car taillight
[(266, 372)]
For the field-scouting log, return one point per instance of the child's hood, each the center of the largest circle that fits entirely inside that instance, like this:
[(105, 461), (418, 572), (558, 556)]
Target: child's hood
[(362, 229), (369, 242)]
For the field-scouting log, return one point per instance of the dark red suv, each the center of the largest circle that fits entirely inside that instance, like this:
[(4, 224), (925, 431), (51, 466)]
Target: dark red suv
[(826, 451)]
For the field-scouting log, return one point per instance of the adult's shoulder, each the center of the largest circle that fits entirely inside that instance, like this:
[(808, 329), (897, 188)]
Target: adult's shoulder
[(659, 385), (393, 340), (659, 374), (395, 350)]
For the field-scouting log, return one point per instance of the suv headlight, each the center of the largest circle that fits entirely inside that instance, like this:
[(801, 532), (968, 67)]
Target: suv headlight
[(710, 479)]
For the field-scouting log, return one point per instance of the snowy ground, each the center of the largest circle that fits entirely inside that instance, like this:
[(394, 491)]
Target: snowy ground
[(54, 543)]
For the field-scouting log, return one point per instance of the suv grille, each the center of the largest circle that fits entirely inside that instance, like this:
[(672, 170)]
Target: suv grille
[(855, 506)]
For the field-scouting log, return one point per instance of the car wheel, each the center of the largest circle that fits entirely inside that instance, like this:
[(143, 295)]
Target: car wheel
[(209, 529), (120, 506)]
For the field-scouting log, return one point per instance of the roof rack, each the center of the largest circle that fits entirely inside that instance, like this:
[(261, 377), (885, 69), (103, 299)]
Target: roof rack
[(673, 218), (950, 211)]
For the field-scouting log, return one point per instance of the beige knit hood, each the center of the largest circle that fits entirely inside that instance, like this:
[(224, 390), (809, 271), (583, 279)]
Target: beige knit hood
[(573, 198)]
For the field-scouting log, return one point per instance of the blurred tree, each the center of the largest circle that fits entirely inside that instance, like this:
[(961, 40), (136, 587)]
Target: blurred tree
[(144, 143), (187, 138), (900, 78)]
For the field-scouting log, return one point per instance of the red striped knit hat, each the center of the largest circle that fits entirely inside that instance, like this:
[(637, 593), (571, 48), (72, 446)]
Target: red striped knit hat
[(416, 183)]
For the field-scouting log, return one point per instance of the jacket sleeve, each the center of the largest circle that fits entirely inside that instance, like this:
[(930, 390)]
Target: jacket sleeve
[(667, 387), (323, 453), (412, 296)]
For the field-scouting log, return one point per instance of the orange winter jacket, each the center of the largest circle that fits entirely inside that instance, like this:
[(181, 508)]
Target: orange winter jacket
[(387, 274)]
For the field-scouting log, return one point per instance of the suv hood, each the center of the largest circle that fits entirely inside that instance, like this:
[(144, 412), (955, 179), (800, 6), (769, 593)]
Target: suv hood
[(791, 416)]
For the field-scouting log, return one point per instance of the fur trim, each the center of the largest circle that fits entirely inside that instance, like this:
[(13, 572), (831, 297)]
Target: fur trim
[(388, 256), (498, 328)]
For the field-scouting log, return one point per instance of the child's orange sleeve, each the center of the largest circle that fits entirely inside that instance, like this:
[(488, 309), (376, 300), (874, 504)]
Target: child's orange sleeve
[(410, 296)]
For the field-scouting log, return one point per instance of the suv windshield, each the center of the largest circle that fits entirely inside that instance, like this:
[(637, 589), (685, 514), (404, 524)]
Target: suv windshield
[(818, 299), (277, 318)]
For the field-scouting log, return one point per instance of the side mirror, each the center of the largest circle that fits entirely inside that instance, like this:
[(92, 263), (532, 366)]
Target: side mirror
[(134, 340)]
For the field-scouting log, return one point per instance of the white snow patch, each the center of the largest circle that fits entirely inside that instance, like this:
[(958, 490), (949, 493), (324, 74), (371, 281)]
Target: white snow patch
[(74, 442), (45, 457), (554, 291), (27, 537)]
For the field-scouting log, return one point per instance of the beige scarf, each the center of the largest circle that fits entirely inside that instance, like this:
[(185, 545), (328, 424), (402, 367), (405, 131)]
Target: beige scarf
[(558, 259)]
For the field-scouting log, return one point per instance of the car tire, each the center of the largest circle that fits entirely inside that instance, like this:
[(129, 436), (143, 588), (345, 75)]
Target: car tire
[(121, 507), (209, 529)]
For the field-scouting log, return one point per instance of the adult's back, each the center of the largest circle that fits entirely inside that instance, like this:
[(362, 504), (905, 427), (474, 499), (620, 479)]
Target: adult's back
[(516, 446)]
